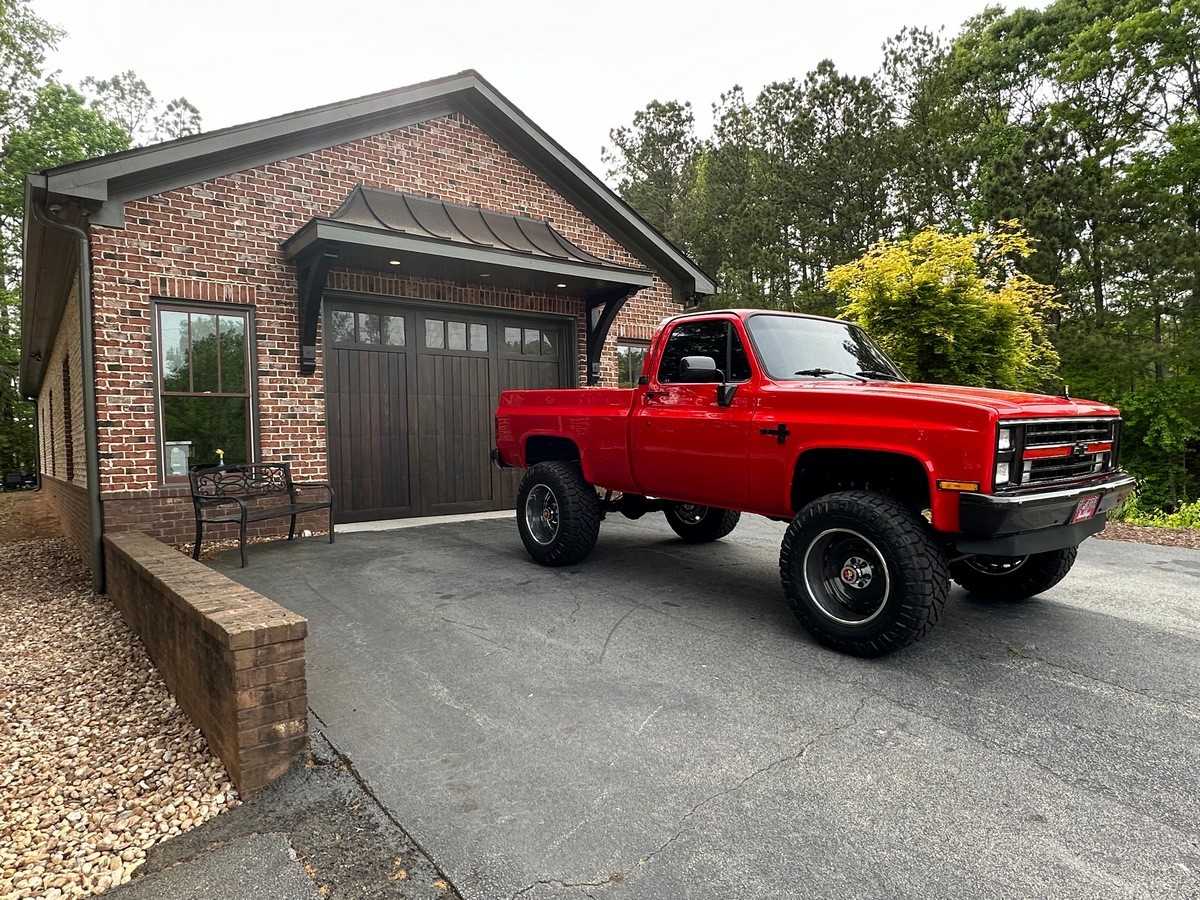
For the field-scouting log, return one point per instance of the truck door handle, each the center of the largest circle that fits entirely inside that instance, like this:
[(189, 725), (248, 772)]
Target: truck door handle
[(650, 395)]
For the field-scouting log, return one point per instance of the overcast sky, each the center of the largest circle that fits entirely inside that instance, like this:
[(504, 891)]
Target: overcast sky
[(576, 68)]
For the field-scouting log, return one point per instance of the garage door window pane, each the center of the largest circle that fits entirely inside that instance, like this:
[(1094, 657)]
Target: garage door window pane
[(435, 334), (456, 335), (479, 338), (549, 343), (512, 340), (368, 328), (393, 331), (533, 342), (341, 327)]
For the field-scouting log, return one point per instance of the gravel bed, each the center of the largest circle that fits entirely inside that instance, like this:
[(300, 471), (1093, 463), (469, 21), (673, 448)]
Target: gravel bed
[(97, 761)]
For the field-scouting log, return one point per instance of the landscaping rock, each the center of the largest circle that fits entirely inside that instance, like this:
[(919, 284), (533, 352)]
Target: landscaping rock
[(97, 761)]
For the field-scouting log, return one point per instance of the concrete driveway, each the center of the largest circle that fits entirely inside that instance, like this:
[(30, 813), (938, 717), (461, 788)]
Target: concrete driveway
[(653, 723)]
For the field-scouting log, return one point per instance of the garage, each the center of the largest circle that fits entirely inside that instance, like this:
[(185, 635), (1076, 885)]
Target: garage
[(410, 395), (386, 266)]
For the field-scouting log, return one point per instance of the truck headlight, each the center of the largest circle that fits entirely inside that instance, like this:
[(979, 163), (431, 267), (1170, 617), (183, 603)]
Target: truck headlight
[(1001, 473), (1006, 439)]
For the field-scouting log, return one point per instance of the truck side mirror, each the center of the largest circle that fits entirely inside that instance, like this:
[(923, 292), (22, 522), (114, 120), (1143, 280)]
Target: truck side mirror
[(700, 370)]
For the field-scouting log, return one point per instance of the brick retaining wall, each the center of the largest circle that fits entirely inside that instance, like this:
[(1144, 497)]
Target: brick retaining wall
[(233, 659)]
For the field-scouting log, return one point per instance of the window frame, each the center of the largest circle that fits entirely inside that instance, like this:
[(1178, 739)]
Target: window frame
[(158, 305), (732, 332)]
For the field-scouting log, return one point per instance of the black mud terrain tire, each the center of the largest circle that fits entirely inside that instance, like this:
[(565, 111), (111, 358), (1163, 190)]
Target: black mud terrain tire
[(558, 514), (1013, 577), (700, 524), (863, 573)]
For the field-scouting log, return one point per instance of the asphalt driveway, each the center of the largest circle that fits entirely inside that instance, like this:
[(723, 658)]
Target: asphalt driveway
[(653, 723)]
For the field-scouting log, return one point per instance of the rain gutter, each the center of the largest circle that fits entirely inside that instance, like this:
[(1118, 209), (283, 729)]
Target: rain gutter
[(88, 363)]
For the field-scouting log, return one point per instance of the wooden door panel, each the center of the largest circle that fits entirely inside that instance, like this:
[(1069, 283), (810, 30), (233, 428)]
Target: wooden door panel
[(367, 412), (455, 395)]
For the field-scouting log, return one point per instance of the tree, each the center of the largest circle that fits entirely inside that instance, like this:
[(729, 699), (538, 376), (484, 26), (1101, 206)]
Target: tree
[(653, 162), (952, 308), (58, 128), (24, 41), (43, 124), (179, 118), (127, 100)]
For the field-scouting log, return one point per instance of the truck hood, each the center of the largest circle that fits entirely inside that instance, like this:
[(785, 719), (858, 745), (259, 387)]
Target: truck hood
[(1009, 404)]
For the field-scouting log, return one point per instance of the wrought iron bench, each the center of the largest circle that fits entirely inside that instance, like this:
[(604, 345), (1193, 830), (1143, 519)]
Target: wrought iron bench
[(252, 492)]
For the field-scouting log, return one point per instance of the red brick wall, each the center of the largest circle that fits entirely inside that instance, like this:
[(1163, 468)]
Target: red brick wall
[(60, 421), (72, 503), (233, 659), (220, 240)]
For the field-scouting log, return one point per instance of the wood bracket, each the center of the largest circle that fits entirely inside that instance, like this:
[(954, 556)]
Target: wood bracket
[(311, 274), (602, 311)]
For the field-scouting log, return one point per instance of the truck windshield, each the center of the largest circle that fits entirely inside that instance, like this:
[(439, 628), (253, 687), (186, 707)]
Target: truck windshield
[(792, 348)]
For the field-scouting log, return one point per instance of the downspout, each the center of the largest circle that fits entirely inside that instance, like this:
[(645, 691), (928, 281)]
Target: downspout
[(37, 442), (88, 363)]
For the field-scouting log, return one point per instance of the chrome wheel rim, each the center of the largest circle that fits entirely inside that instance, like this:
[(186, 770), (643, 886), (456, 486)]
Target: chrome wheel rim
[(541, 514), (996, 565), (689, 513), (846, 577)]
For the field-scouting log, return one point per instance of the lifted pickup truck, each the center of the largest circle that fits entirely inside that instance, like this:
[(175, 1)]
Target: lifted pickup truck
[(891, 488)]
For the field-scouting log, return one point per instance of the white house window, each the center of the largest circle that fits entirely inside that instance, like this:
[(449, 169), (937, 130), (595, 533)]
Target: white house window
[(205, 386)]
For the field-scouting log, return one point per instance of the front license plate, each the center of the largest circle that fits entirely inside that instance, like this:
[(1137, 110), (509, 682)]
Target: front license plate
[(1086, 508)]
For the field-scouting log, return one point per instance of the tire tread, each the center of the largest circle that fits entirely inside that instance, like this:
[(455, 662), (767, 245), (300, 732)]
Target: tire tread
[(578, 511)]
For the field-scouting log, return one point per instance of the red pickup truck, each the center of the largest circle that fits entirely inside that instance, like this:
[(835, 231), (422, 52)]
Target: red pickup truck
[(890, 488)]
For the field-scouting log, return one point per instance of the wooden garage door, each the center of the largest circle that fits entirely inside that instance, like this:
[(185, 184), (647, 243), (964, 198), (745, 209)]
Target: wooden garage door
[(411, 394)]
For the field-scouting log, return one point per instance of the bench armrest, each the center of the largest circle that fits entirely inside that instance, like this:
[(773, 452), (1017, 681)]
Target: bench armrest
[(315, 484)]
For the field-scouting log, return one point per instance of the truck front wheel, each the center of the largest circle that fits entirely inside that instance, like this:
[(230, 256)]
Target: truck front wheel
[(700, 524), (1013, 577), (862, 573), (558, 514)]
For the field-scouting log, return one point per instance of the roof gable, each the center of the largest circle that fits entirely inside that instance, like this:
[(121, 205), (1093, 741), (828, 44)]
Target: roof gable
[(106, 183)]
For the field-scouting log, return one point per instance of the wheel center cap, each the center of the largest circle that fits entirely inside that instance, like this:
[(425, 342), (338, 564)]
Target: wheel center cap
[(857, 572)]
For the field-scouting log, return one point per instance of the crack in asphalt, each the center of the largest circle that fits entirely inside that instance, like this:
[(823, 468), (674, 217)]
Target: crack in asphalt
[(1186, 705), (622, 875), (608, 640), (994, 745)]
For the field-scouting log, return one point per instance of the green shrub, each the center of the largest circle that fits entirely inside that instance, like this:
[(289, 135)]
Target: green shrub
[(1133, 513)]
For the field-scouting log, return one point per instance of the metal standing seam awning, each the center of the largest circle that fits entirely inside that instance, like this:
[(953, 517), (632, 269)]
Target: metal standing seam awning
[(378, 230)]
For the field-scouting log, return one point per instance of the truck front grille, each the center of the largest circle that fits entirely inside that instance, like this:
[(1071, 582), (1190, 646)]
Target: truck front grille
[(1055, 451)]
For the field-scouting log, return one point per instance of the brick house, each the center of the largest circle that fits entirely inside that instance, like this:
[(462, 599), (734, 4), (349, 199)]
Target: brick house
[(347, 287)]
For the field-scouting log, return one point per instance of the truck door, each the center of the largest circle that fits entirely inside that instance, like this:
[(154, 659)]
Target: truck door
[(684, 445)]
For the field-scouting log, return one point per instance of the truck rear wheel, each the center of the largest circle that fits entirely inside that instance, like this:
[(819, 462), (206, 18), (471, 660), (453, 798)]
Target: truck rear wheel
[(1013, 577), (862, 573), (700, 524), (558, 514)]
